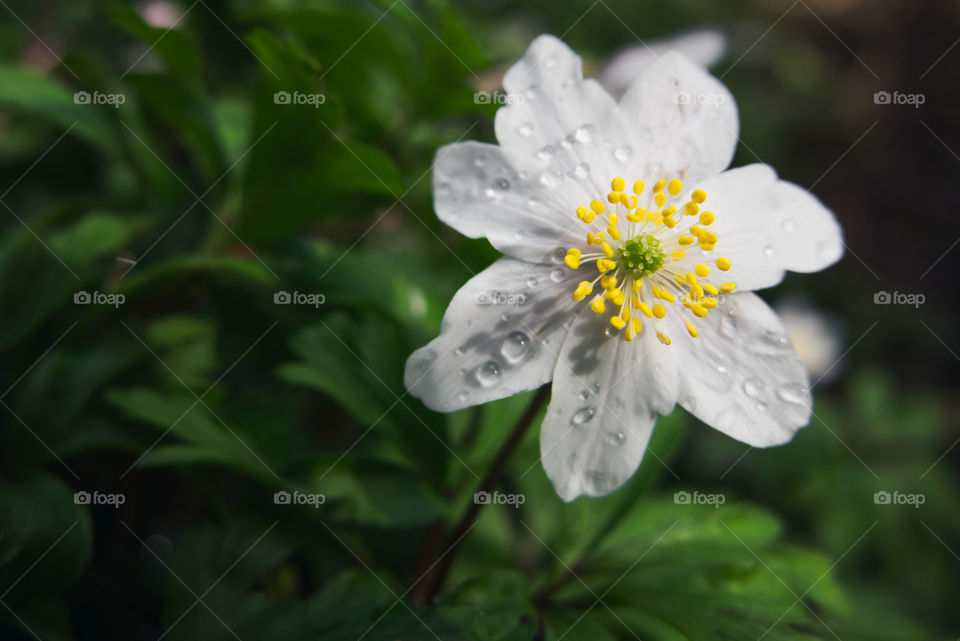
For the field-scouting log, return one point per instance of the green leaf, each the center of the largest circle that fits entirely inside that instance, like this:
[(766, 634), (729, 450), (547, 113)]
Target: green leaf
[(495, 607), (37, 96), (45, 537), (175, 47), (378, 493)]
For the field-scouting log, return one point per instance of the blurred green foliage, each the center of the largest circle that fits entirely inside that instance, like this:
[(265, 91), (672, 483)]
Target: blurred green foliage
[(198, 398)]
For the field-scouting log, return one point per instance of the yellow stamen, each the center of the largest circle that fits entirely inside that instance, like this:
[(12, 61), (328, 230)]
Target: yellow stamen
[(597, 305), (702, 271), (618, 184), (675, 186), (724, 264), (691, 329)]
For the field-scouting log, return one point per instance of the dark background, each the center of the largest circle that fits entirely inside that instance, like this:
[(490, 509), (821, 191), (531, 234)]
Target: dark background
[(198, 398)]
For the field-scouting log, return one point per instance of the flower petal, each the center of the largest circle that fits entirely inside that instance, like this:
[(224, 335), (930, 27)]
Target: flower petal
[(499, 337), (559, 127), (704, 46), (685, 118), (602, 410), (742, 375), (478, 193), (766, 226)]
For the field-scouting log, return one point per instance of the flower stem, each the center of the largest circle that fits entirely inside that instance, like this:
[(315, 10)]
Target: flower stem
[(433, 582)]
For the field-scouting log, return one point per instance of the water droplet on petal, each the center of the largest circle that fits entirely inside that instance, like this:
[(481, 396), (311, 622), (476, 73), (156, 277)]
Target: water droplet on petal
[(546, 153), (525, 129), (502, 184), (596, 388), (603, 482), (722, 369), (584, 133), (515, 346), (505, 316), (460, 351), (582, 170), (753, 387), (556, 275), (615, 438), (761, 406), (768, 251), (480, 161), (792, 393), (532, 282), (728, 326), (548, 179), (422, 362), (623, 153), (463, 395), (789, 225), (584, 395), (583, 415), (489, 374), (726, 418)]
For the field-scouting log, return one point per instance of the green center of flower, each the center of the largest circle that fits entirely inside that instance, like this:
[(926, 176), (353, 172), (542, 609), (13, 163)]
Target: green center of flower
[(641, 256)]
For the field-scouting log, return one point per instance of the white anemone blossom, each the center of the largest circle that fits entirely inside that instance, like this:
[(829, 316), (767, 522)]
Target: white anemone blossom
[(631, 252)]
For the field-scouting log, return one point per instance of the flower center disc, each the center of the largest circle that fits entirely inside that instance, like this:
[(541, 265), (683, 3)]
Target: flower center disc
[(641, 256), (642, 261)]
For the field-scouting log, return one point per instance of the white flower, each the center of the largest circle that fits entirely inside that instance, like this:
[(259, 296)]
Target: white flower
[(703, 46), (624, 238), (817, 337)]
